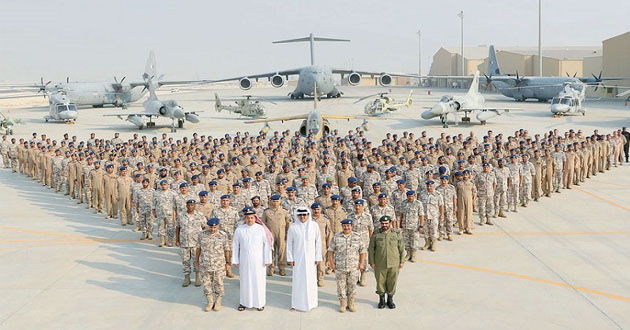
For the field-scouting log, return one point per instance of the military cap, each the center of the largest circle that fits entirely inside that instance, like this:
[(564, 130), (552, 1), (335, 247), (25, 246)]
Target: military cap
[(316, 205), (247, 179), (248, 211), (382, 195), (220, 171), (194, 177), (163, 182), (191, 201), (335, 197), (203, 193), (138, 175), (400, 181), (346, 221), (225, 196), (326, 185), (442, 170), (385, 218), (145, 180), (213, 182), (429, 182), (213, 222), (291, 188), (109, 166), (466, 171), (359, 202), (459, 173), (236, 184), (122, 168), (370, 165), (411, 192), (183, 184), (275, 197), (259, 173), (444, 177), (486, 164), (356, 189), (163, 169), (376, 184), (352, 179)]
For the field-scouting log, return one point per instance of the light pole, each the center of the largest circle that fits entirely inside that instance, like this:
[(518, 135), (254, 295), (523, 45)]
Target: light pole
[(540, 59), (419, 58), (461, 15)]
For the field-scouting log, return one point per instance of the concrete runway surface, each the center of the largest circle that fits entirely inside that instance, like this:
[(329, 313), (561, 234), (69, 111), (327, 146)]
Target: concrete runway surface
[(562, 263)]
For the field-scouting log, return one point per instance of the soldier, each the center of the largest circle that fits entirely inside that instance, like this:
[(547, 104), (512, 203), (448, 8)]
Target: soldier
[(96, 187), (548, 168), (571, 160), (204, 207), (433, 214), (538, 163), (559, 159), (307, 192), (277, 220), (486, 184), (464, 190), (449, 195), (346, 256), (56, 162), (189, 226), (515, 182), (229, 217), (335, 213), (144, 206), (211, 259), (109, 190), (362, 224), (163, 211), (386, 255), (326, 235), (135, 186), (529, 173), (502, 174), (123, 193), (381, 209), (411, 220)]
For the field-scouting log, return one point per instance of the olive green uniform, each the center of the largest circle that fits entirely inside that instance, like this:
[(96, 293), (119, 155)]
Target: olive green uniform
[(386, 252)]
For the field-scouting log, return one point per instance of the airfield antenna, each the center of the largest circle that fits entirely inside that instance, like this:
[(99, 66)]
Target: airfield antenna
[(461, 15), (420, 57), (540, 62)]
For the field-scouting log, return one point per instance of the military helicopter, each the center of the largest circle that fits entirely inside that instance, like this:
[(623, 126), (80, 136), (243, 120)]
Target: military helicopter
[(61, 109), (384, 104), (569, 101), (6, 124), (247, 107)]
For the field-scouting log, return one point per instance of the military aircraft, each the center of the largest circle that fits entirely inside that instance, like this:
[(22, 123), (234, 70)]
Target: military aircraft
[(522, 88), (568, 101), (247, 107), (470, 102), (98, 94), (153, 107), (313, 75), (314, 123), (384, 104), (62, 110), (7, 123)]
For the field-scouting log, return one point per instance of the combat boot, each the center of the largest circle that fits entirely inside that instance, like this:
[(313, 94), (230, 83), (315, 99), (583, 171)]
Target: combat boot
[(197, 279), (342, 305), (135, 229), (432, 247), (413, 256), (170, 242), (441, 237), (390, 301), (217, 304), (427, 243), (229, 273), (328, 271), (143, 236), (210, 303), (186, 280), (362, 280), (162, 242), (449, 237), (501, 214), (320, 282), (381, 301), (351, 305), (481, 221), (488, 222), (150, 236)]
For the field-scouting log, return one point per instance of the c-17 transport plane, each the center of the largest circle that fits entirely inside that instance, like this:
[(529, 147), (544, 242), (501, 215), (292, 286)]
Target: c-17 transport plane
[(312, 75)]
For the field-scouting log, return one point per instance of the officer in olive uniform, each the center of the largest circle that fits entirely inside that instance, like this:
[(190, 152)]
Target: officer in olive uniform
[(386, 255)]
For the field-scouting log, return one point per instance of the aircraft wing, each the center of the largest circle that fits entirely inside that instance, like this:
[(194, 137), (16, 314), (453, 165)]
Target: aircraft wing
[(125, 114), (372, 73), (20, 96), (278, 119), (490, 109), (349, 117), (256, 76)]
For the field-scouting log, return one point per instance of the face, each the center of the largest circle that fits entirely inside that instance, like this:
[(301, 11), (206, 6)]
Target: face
[(347, 228), (385, 225), (190, 207), (225, 202), (303, 217), (145, 184), (214, 229), (250, 219), (317, 211)]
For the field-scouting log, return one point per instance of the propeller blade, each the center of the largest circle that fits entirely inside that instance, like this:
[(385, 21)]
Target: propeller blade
[(567, 74), (115, 80), (575, 74), (123, 79)]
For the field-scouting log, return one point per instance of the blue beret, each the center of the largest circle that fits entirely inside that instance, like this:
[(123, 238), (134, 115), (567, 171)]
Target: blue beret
[(316, 205), (346, 221), (430, 182), (205, 166), (191, 201), (122, 168), (163, 182), (326, 185), (376, 184), (163, 169), (275, 197), (400, 181), (486, 164), (213, 222), (236, 184), (458, 173), (220, 171), (382, 195), (225, 197), (248, 210), (109, 166), (466, 171), (145, 180), (500, 160), (247, 179), (183, 184), (369, 166), (138, 175), (213, 182), (194, 177), (203, 193), (359, 202), (442, 170), (444, 177), (335, 197), (291, 188), (259, 173), (356, 189), (411, 192), (352, 179)]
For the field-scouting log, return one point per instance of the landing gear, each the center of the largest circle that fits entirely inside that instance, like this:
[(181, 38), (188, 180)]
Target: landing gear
[(466, 119), (296, 96), (483, 122), (173, 129), (150, 124), (444, 121), (180, 123)]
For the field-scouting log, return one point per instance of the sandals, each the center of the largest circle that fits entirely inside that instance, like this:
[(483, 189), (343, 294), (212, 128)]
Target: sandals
[(260, 309), (241, 308)]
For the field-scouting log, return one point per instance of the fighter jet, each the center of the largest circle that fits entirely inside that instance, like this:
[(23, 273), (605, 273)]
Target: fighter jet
[(153, 107), (313, 124), (384, 104), (470, 102), (7, 123), (313, 75), (247, 107)]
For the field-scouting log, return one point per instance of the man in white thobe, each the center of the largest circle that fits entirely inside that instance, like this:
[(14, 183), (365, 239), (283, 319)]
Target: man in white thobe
[(304, 253), (252, 254)]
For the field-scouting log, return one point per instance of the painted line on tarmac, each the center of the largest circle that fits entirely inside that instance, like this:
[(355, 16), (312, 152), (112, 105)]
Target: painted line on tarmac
[(611, 183), (526, 277), (41, 232), (76, 242), (603, 199), (543, 233)]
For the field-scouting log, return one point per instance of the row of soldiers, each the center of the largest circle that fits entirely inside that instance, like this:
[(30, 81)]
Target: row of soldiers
[(427, 186)]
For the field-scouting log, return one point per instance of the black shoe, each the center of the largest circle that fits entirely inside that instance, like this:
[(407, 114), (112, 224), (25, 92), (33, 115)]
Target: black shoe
[(390, 302), (381, 302)]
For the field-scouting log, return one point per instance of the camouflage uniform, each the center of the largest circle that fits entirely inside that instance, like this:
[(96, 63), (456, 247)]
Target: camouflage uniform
[(228, 219), (559, 158), (347, 250), (448, 194), (144, 200), (164, 204), (378, 212), (516, 171), (212, 261), (500, 195), (529, 172), (57, 179), (362, 224), (485, 195), (431, 203), (190, 226), (411, 212), (307, 194)]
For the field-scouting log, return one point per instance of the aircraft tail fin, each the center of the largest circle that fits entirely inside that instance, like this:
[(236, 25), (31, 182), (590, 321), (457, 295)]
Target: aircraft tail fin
[(474, 85), (493, 63), (217, 102), (409, 101), (311, 39), (149, 74)]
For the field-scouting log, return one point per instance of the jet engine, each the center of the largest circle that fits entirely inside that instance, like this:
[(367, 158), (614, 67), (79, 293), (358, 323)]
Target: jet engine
[(192, 117), (136, 120), (153, 106), (385, 80), (485, 115), (325, 128), (354, 79), (277, 81), (245, 83)]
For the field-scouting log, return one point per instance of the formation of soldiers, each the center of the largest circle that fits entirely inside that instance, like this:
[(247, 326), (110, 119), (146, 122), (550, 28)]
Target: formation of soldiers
[(196, 187)]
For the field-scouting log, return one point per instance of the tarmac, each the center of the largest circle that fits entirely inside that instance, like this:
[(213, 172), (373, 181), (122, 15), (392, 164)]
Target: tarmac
[(561, 263)]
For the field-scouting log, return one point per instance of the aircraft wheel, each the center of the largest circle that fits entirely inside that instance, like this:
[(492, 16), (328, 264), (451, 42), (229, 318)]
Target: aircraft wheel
[(46, 120), (292, 97), (180, 123), (583, 113), (140, 127), (10, 132), (173, 129), (483, 122)]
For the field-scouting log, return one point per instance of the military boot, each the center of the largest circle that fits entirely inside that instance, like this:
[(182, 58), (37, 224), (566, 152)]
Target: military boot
[(449, 237), (390, 301), (427, 243), (197, 279), (351, 305), (381, 301), (210, 303), (162, 241), (217, 304), (186, 280), (362, 280), (229, 273), (342, 305), (441, 237), (170, 242), (501, 214), (135, 229), (432, 247), (488, 222), (320, 282), (143, 236), (481, 221), (413, 256), (150, 236)]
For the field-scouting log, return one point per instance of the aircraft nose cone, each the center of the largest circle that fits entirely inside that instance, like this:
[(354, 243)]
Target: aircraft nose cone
[(178, 113), (67, 115), (435, 111), (559, 108)]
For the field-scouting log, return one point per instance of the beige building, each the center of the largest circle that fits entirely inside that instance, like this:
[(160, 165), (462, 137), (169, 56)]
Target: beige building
[(616, 62)]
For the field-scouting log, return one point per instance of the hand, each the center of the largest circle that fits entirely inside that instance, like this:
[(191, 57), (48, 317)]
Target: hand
[(291, 263), (400, 266), (227, 267), (362, 266), (235, 265), (177, 243), (372, 265), (197, 265)]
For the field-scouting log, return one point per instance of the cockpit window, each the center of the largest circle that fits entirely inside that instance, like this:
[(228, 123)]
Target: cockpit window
[(61, 107), (555, 100), (72, 107), (446, 98), (566, 100)]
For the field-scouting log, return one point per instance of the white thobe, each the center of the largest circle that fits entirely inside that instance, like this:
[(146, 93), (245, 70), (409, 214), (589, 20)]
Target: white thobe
[(252, 252), (304, 247)]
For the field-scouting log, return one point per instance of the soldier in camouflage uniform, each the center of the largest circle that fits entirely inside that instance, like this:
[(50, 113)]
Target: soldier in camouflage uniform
[(411, 218), (144, 206), (87, 183), (449, 195), (529, 173), (362, 223), (211, 258), (56, 161), (189, 226), (164, 212), (486, 183), (381, 209), (559, 158), (433, 213), (346, 256), (135, 186), (515, 181), (229, 217), (501, 174)]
